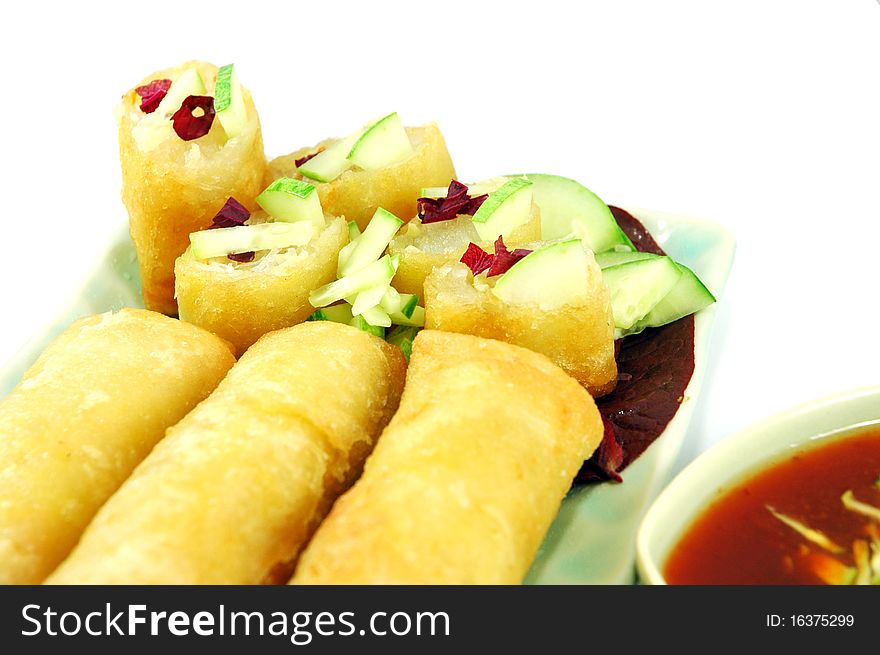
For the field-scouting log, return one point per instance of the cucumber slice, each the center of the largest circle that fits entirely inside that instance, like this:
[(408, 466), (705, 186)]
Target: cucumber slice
[(382, 144), (229, 101), (392, 300), (370, 245), (688, 296), (568, 207), (361, 323), (245, 238), (403, 305), (353, 230), (377, 317), (636, 287), (287, 199), (416, 317), (615, 257), (376, 274), (332, 162), (337, 313), (504, 209), (551, 277), (402, 337), (154, 128), (367, 299)]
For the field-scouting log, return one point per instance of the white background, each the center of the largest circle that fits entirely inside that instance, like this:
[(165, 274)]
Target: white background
[(761, 115)]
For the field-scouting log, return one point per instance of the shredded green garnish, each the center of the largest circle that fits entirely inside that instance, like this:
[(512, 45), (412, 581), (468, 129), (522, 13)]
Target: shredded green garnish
[(849, 501), (808, 533)]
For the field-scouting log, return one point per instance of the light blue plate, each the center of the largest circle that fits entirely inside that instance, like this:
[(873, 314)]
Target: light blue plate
[(592, 540)]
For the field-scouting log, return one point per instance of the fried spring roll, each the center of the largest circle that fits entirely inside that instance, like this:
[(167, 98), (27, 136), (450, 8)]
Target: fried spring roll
[(357, 194), (236, 488), (242, 301), (577, 336), (467, 477), (85, 414), (172, 187)]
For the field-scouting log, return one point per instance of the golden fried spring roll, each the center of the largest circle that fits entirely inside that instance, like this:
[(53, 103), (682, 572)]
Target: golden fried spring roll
[(172, 187), (466, 478), (357, 194), (84, 415), (242, 301), (235, 490), (577, 336), (424, 247)]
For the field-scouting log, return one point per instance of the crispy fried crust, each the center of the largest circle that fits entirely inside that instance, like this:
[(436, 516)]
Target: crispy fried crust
[(86, 413), (236, 488), (468, 475), (178, 187)]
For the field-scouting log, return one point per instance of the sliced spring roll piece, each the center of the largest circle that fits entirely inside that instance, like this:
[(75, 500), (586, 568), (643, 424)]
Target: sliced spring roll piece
[(242, 301), (357, 193), (424, 247), (553, 301), (85, 414), (467, 477), (172, 187), (235, 490)]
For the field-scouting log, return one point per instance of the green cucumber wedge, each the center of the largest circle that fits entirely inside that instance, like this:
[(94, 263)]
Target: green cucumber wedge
[(246, 238), (330, 163), (550, 277), (287, 199), (569, 208), (362, 324), (416, 318), (370, 245), (504, 210), (378, 273), (229, 101), (340, 313), (382, 144), (636, 287), (615, 257), (688, 296), (377, 317)]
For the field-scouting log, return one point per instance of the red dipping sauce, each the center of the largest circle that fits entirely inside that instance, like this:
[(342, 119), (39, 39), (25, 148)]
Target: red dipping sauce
[(738, 540)]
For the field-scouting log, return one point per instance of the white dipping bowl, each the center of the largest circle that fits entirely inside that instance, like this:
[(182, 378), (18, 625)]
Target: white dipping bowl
[(735, 459)]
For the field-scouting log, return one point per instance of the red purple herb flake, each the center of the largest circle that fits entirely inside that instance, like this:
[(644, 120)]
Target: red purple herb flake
[(456, 202), (242, 257), (189, 126), (152, 94), (504, 258), (233, 213), (477, 259)]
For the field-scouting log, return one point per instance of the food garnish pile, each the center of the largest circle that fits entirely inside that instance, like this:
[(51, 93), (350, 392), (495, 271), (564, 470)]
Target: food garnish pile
[(513, 302)]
